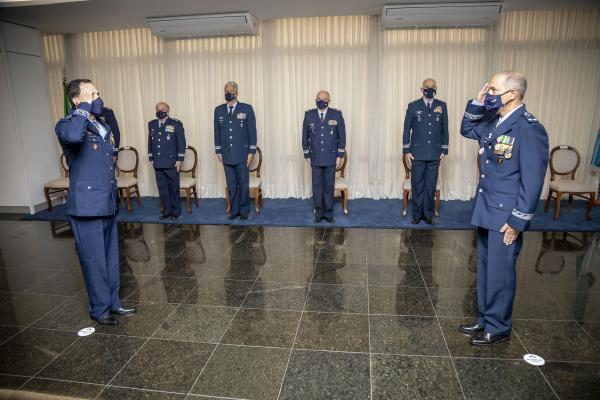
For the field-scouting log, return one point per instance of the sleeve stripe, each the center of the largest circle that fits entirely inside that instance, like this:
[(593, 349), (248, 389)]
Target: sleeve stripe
[(406, 146), (81, 112), (522, 215), (306, 151), (468, 115), (341, 150), (444, 146), (252, 147), (218, 147)]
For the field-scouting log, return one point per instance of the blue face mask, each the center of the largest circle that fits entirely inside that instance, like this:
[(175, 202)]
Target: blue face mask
[(97, 106), (429, 93), (322, 104), (494, 101), (160, 114), (229, 96)]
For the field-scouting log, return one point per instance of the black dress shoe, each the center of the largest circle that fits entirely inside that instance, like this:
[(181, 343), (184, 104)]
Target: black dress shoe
[(415, 221), (487, 339), (470, 329), (232, 217), (124, 311), (107, 320), (163, 217), (243, 217), (330, 220), (174, 216), (429, 221)]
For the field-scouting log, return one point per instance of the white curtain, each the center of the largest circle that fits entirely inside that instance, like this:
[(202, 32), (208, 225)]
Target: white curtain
[(372, 75)]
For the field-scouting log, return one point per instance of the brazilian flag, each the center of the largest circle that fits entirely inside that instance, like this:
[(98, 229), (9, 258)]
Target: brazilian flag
[(66, 102)]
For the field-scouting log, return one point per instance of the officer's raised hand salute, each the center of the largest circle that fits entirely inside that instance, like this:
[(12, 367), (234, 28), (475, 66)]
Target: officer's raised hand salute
[(89, 145), (513, 157)]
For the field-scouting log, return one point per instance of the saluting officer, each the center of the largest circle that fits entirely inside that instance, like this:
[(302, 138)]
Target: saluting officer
[(324, 143), (513, 155), (166, 149), (88, 146), (235, 145), (425, 144)]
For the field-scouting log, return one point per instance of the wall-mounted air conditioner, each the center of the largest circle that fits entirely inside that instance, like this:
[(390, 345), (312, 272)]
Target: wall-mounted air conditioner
[(209, 25), (441, 15)]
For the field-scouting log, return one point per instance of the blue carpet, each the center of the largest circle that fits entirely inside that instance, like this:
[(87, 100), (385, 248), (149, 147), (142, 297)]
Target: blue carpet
[(364, 213)]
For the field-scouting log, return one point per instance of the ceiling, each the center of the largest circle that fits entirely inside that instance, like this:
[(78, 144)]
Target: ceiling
[(102, 15)]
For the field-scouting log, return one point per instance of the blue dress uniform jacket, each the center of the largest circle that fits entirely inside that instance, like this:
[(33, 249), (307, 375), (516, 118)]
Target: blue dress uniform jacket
[(513, 157), (92, 183), (108, 116), (235, 136), (513, 160), (166, 144), (92, 206), (323, 142), (426, 131)]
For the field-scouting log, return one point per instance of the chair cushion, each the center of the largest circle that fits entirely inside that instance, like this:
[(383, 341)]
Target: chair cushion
[(571, 186), (341, 183), (186, 182), (60, 183), (255, 182), (406, 185), (126, 181)]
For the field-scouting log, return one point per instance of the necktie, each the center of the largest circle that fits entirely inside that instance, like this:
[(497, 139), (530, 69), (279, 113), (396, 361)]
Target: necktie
[(322, 117), (230, 111), (429, 107)]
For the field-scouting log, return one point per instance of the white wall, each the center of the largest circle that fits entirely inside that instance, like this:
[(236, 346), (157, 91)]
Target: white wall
[(27, 141)]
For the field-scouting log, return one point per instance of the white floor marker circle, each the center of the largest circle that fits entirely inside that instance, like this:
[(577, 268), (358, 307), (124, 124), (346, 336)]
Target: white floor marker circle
[(534, 359), (86, 331)]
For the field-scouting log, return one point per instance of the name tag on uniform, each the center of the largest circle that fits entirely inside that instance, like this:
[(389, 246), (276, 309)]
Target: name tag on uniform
[(332, 122), (438, 109), (241, 116), (170, 128)]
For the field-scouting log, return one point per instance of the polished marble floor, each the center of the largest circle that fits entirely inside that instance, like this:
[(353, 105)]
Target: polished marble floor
[(294, 313)]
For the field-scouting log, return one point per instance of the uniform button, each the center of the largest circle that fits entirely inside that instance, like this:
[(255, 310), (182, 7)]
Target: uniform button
[(230, 144), (489, 147), (483, 175), (501, 205), (159, 146), (321, 135), (430, 123), (430, 133), (487, 161), (230, 137), (111, 182), (158, 154), (321, 149), (480, 190), (159, 140), (230, 129), (321, 142), (429, 141), (229, 121), (89, 187), (322, 127)]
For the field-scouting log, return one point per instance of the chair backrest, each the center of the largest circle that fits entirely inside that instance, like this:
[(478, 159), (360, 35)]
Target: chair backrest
[(342, 167), (63, 164), (406, 168), (564, 160), (127, 160), (256, 162), (190, 161)]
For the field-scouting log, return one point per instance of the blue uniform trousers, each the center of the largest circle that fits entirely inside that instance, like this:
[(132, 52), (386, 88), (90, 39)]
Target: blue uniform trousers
[(323, 183), (97, 245), (167, 180), (496, 280), (238, 179), (423, 181)]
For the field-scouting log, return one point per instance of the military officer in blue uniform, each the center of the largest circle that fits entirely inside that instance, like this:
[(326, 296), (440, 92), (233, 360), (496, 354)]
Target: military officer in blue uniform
[(235, 145), (108, 116), (324, 145), (425, 144), (88, 146), (166, 149), (513, 155)]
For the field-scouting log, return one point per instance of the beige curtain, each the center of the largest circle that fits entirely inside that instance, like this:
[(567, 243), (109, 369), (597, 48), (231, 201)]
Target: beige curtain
[(372, 75)]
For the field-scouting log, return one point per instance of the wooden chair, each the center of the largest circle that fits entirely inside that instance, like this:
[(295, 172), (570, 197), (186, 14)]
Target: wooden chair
[(255, 183), (126, 167), (341, 183), (564, 162), (57, 185), (188, 183), (406, 186)]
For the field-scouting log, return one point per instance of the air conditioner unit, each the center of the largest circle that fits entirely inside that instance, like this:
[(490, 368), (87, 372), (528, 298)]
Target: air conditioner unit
[(444, 15), (208, 25)]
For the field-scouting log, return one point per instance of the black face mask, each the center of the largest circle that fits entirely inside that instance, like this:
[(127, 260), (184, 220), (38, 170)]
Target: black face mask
[(160, 114), (429, 93), (322, 104), (230, 96)]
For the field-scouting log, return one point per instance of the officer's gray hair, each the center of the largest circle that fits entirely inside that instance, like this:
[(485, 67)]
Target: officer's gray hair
[(232, 84), (515, 80)]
